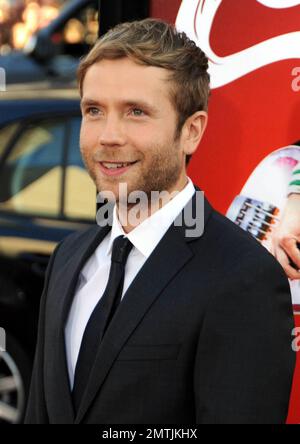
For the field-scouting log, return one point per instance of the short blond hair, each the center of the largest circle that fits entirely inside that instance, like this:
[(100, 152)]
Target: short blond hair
[(156, 43)]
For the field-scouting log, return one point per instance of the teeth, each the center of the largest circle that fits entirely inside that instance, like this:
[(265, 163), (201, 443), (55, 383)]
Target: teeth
[(115, 165)]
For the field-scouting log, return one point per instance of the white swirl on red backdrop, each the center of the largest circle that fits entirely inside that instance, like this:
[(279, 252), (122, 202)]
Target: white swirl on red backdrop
[(196, 17)]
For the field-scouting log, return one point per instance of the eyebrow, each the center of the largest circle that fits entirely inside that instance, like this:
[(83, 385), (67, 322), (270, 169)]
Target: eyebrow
[(138, 103), (86, 102)]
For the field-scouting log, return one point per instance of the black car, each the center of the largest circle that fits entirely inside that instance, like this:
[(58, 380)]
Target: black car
[(45, 194), (53, 52)]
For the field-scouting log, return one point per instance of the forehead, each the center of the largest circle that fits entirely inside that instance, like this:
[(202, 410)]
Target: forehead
[(124, 78)]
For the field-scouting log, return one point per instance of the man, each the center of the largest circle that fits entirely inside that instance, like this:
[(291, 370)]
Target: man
[(196, 325)]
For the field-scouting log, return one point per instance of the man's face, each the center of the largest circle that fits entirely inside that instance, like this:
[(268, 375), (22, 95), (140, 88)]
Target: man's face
[(128, 118)]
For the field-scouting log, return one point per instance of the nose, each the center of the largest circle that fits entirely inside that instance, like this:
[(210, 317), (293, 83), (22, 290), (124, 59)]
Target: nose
[(111, 132)]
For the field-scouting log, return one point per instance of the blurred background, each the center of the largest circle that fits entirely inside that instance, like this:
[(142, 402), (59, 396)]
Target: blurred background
[(20, 19), (43, 39)]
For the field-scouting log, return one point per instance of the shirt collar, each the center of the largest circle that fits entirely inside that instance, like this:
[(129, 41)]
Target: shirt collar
[(147, 235)]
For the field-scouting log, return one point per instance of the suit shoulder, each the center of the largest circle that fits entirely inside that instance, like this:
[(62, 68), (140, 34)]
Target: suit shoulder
[(71, 243), (231, 230), (236, 246), (249, 272)]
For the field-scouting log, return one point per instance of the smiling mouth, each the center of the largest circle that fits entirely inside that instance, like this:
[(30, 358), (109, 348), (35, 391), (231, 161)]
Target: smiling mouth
[(111, 169), (116, 165)]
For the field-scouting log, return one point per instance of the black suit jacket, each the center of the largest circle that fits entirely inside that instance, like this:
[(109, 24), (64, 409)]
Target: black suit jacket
[(203, 335)]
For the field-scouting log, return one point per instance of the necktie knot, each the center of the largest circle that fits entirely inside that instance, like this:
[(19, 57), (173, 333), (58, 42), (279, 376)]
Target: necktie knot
[(121, 249)]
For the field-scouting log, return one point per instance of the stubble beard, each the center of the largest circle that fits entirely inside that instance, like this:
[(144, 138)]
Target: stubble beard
[(161, 174)]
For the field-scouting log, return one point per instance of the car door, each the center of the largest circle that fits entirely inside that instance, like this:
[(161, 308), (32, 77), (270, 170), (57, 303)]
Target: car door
[(45, 194)]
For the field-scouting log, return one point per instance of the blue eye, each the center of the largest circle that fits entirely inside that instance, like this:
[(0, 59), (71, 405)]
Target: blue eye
[(91, 111), (137, 112)]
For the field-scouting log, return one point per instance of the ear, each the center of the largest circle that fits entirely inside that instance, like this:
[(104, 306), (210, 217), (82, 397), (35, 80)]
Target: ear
[(193, 131)]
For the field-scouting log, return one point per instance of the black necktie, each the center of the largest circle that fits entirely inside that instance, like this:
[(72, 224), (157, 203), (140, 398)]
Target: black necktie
[(101, 316)]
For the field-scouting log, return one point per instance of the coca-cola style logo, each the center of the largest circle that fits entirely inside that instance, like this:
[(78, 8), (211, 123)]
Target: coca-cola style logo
[(196, 17)]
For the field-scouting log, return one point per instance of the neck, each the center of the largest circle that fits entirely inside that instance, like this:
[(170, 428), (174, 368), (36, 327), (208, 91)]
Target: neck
[(132, 215)]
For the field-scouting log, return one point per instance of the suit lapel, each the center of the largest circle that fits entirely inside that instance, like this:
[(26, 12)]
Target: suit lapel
[(58, 392), (168, 258)]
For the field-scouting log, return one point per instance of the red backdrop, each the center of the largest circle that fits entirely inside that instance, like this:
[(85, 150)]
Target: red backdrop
[(250, 117)]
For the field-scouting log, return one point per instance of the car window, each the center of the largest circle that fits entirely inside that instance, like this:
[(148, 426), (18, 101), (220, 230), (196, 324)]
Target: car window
[(80, 191), (6, 134), (79, 32), (31, 178)]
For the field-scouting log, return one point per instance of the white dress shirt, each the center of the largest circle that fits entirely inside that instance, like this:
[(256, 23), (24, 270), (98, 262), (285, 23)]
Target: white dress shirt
[(94, 275)]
